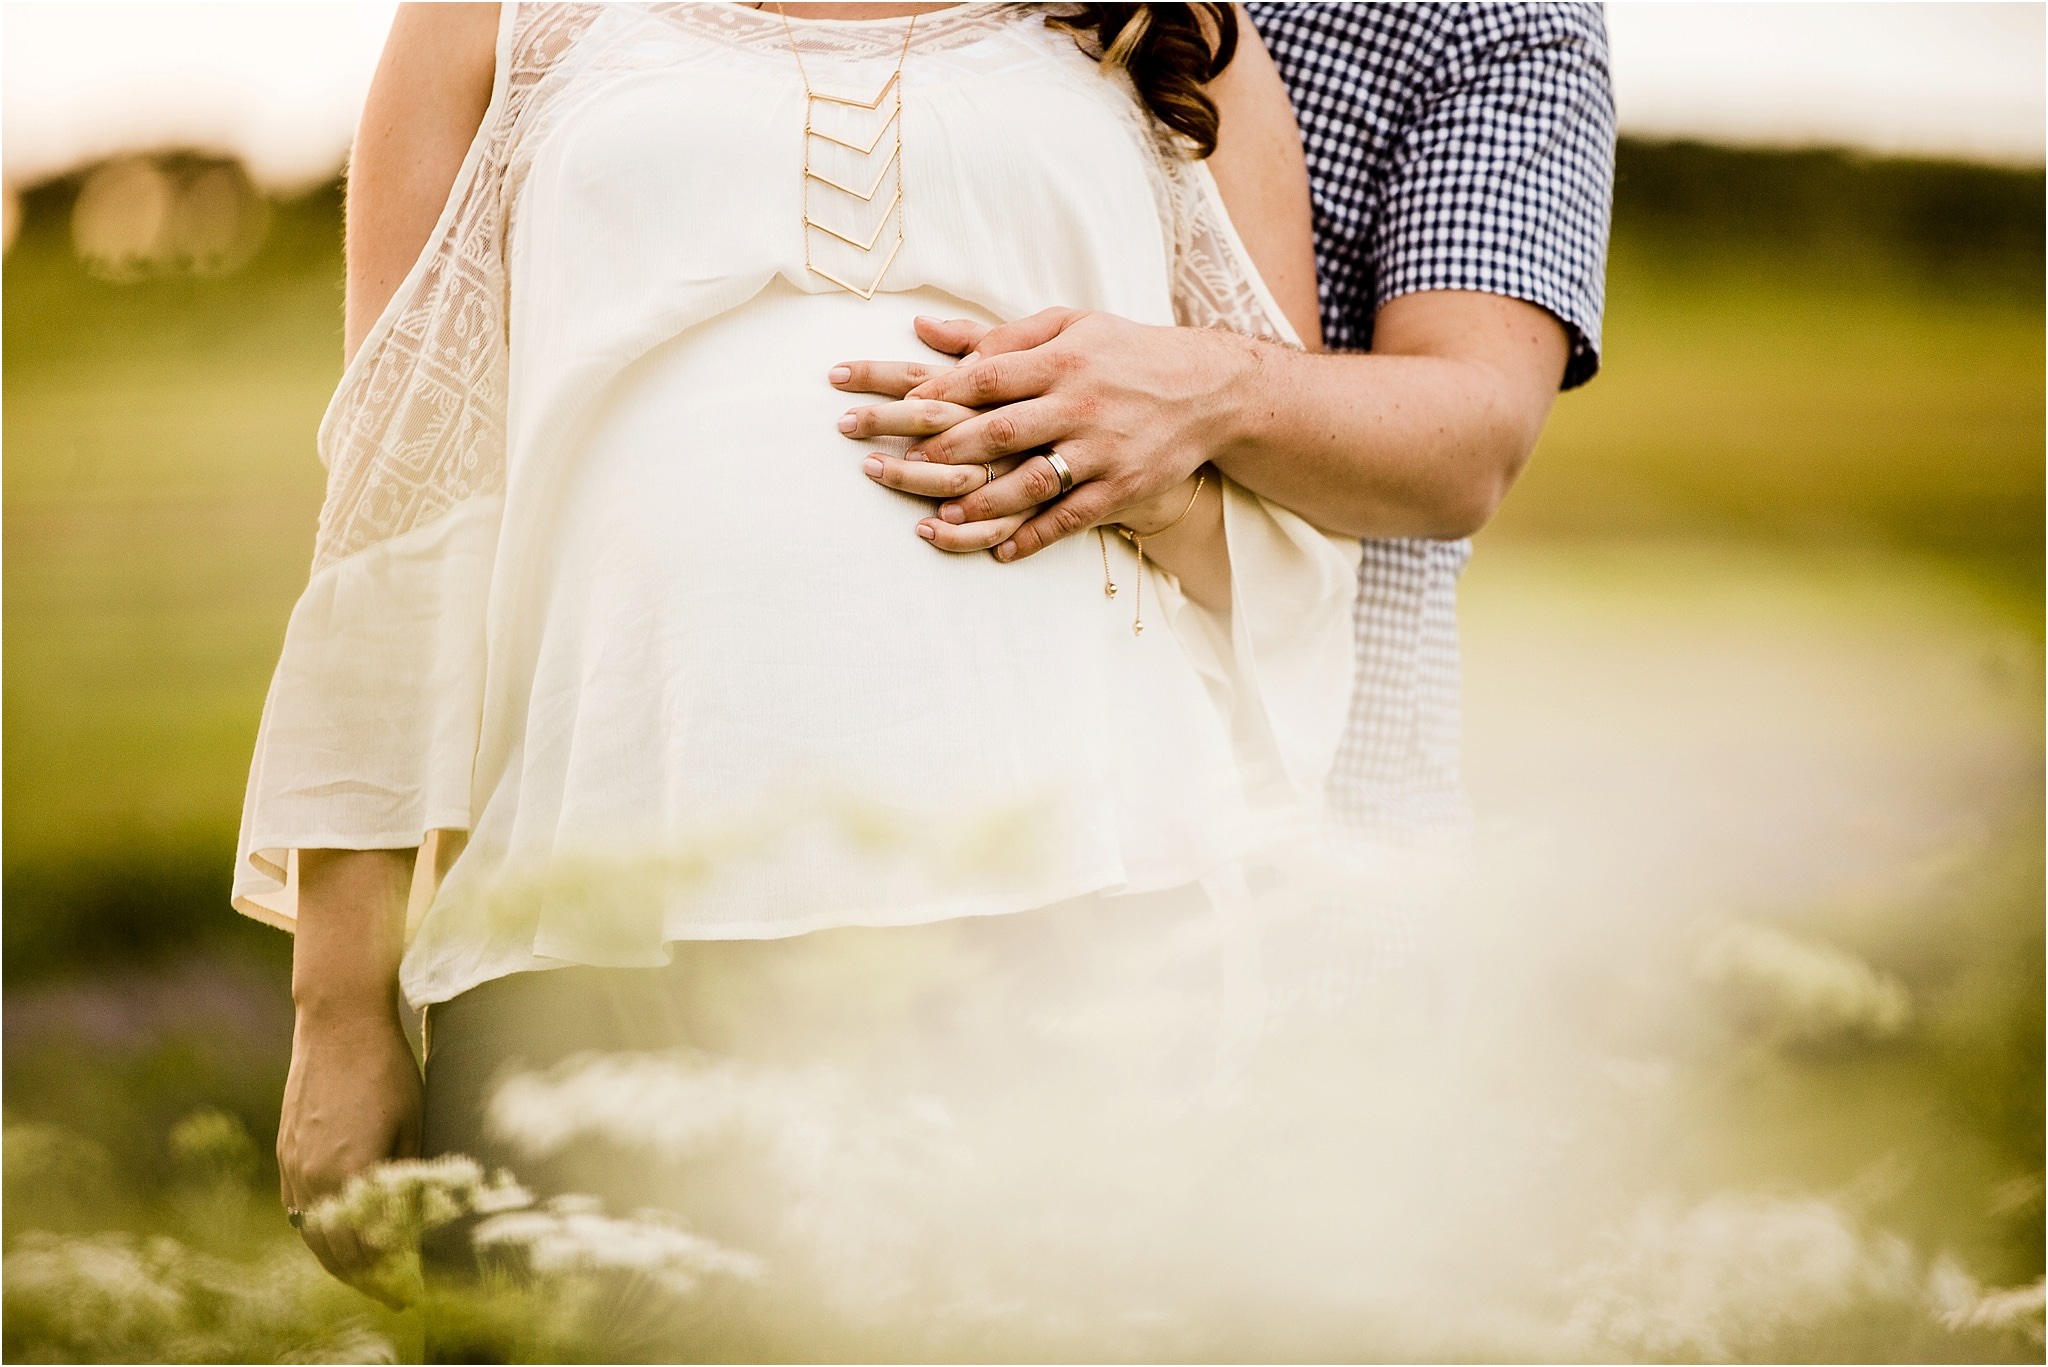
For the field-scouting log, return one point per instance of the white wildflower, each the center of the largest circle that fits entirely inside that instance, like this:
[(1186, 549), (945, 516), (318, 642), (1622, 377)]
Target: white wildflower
[(118, 1298), (1802, 990), (1724, 1278), (102, 1290), (214, 1143), (393, 1204), (1962, 1305), (571, 1235)]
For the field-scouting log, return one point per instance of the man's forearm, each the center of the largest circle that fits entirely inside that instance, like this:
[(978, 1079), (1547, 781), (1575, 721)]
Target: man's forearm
[(1374, 445), (1420, 438)]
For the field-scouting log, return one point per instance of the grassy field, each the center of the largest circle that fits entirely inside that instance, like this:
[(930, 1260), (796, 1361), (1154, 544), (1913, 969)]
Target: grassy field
[(1756, 642), (1748, 404)]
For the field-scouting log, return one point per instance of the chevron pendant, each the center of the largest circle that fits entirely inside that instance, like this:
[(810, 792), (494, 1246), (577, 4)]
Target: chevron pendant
[(862, 148), (873, 238), (817, 182), (868, 194), (873, 285)]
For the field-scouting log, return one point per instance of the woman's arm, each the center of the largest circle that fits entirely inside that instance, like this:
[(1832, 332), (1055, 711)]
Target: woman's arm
[(352, 1096), (425, 104), (1263, 175)]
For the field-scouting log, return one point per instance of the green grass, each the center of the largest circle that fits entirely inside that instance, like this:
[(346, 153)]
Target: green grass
[(160, 493), (1741, 400)]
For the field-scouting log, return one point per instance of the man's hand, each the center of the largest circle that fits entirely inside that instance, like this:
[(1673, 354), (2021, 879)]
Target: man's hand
[(1129, 431), (1421, 437)]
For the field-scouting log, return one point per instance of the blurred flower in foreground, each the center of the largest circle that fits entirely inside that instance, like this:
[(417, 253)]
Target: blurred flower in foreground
[(1797, 990), (215, 1143), (1964, 1305), (572, 1234), (1727, 1279), (391, 1206), (120, 1298)]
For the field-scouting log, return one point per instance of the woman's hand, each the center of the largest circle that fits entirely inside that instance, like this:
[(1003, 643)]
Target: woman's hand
[(1153, 515), (1131, 434), (351, 1101), (912, 474), (352, 1098)]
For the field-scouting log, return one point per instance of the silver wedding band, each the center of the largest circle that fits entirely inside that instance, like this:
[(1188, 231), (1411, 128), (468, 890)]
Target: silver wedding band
[(990, 471), (1059, 467)]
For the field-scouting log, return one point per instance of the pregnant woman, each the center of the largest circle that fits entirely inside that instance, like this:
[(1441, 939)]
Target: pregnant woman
[(612, 649)]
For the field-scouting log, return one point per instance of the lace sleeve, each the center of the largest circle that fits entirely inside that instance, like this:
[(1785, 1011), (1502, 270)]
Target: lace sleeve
[(369, 731), (1215, 283), (417, 424), (1285, 657)]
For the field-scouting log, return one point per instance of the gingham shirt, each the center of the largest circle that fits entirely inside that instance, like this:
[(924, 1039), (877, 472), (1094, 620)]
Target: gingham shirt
[(1450, 147)]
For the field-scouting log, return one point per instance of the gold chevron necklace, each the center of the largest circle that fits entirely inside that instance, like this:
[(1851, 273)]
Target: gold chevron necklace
[(891, 91)]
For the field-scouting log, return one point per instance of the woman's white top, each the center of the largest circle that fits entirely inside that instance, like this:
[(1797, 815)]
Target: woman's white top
[(605, 614)]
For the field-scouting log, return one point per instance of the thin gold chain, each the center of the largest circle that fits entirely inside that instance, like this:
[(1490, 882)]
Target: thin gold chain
[(797, 53), (1137, 539)]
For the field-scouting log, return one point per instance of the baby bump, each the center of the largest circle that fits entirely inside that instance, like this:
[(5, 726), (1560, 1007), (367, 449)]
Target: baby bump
[(727, 571)]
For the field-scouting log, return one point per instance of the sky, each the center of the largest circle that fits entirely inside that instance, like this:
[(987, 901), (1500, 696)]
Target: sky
[(280, 84)]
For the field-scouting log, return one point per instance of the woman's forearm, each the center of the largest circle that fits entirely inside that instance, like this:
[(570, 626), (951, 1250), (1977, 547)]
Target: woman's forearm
[(351, 932)]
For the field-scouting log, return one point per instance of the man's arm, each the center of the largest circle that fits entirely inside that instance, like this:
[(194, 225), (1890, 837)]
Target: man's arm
[(1422, 436)]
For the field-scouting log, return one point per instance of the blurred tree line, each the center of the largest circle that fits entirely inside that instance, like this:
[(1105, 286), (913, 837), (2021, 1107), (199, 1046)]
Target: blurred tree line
[(1939, 225)]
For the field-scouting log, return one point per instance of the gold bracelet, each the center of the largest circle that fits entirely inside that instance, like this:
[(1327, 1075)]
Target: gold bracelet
[(1138, 539), (1201, 478)]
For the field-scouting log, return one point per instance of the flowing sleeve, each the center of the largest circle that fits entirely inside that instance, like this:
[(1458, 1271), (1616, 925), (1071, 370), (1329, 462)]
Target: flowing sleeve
[(369, 731), (1284, 659)]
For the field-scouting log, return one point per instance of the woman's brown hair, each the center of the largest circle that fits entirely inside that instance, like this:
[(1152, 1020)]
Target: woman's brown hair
[(1171, 52)]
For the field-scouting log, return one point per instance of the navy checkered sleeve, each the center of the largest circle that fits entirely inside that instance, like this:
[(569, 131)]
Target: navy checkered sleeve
[(1450, 147), (1454, 147)]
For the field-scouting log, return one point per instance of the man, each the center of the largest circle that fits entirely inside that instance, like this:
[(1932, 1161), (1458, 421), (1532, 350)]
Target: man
[(1461, 160)]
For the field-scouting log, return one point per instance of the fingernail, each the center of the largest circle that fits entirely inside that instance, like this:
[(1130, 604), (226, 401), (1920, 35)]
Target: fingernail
[(913, 454), (1007, 551), (847, 422), (953, 513), (924, 529), (873, 465), (926, 318), (841, 374), (970, 358)]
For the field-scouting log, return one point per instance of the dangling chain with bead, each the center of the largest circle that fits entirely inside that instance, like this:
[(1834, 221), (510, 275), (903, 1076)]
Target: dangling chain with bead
[(1137, 539)]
